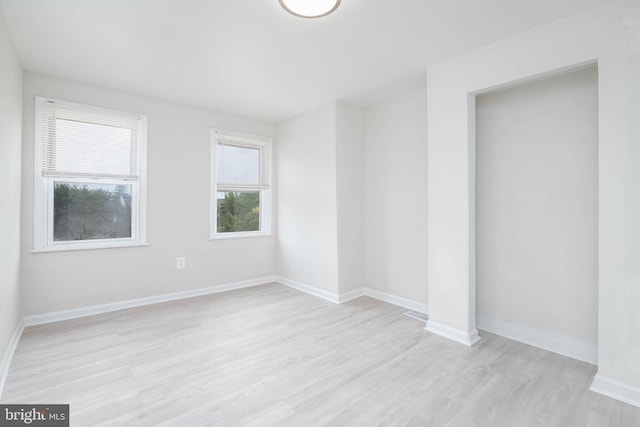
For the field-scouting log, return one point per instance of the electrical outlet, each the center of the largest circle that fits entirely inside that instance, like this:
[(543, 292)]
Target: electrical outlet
[(181, 262)]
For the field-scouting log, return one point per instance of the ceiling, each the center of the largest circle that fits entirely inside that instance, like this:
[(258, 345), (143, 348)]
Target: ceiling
[(252, 58)]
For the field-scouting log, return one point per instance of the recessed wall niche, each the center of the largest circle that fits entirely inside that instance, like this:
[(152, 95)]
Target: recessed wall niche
[(537, 213)]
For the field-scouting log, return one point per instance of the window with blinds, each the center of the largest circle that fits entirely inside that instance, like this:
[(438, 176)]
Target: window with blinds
[(241, 188), (90, 185)]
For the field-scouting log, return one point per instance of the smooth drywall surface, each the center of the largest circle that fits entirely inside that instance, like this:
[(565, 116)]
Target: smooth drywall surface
[(395, 220), (178, 211), (609, 35), (451, 111), (350, 198), (537, 213), (10, 167), (306, 199), (619, 205)]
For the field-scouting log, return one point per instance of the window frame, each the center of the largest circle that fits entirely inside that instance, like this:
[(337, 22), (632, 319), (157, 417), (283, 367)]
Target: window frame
[(43, 187), (264, 188)]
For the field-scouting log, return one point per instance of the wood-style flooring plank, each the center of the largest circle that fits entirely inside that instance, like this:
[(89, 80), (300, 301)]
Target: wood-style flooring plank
[(272, 356)]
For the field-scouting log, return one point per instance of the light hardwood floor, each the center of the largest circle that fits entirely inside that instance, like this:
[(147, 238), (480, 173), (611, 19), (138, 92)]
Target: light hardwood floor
[(272, 356)]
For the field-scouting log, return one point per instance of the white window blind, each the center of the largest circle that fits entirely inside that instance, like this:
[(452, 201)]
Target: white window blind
[(80, 142), (240, 162)]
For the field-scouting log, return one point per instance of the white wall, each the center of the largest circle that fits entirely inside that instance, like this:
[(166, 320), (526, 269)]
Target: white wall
[(306, 199), (395, 206), (619, 206), (10, 166), (537, 213), (350, 198), (610, 35), (178, 209)]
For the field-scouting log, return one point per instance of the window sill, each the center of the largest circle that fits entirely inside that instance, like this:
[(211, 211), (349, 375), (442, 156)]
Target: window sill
[(227, 236), (69, 248)]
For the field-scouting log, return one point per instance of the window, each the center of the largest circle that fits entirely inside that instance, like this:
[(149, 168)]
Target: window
[(240, 190), (90, 175)]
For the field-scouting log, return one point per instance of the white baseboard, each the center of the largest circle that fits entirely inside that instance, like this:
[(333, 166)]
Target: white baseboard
[(550, 341), (396, 300), (615, 390), (454, 334), (8, 354), (57, 316), (311, 290), (348, 296), (357, 293)]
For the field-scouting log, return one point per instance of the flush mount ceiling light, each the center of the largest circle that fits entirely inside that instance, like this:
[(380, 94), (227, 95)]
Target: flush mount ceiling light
[(310, 8)]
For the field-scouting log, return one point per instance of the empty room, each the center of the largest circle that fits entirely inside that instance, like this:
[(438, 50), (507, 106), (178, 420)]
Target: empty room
[(320, 213)]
